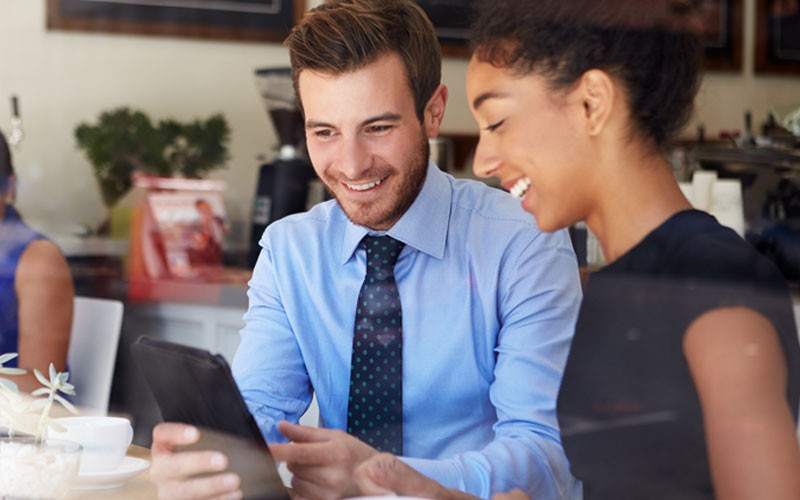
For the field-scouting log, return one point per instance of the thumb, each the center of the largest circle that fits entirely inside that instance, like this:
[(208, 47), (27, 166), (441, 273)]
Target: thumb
[(385, 473)]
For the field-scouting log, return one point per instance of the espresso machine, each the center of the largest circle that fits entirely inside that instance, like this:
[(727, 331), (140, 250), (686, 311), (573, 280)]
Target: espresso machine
[(284, 183), (768, 167)]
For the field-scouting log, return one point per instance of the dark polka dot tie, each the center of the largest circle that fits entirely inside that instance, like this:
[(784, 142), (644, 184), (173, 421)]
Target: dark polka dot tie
[(375, 407)]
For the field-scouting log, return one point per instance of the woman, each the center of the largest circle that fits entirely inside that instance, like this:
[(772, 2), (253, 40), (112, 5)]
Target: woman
[(36, 290), (684, 373)]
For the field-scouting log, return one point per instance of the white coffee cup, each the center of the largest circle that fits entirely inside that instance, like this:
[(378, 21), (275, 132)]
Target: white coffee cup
[(105, 440)]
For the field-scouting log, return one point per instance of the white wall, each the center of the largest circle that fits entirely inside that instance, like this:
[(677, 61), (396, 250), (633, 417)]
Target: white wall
[(64, 78)]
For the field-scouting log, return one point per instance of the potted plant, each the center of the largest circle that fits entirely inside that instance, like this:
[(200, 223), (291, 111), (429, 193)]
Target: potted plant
[(124, 141)]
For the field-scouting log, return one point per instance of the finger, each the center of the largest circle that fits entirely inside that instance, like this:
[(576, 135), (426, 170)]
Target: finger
[(306, 453), (167, 435), (330, 478), (309, 490), (305, 434), (177, 466), (514, 494), (219, 485), (386, 473), (362, 475)]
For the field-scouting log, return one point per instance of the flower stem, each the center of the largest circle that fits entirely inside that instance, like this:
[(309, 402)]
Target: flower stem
[(40, 428)]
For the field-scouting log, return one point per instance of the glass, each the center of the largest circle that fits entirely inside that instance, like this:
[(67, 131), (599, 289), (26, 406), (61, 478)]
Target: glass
[(43, 470)]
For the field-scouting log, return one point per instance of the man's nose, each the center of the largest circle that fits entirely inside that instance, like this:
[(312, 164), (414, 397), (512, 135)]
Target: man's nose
[(354, 158)]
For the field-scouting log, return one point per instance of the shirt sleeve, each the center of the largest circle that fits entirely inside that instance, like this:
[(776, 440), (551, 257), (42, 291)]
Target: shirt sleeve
[(539, 297), (268, 366)]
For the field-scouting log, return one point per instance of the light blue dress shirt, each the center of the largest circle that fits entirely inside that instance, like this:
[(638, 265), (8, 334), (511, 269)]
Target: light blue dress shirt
[(489, 306)]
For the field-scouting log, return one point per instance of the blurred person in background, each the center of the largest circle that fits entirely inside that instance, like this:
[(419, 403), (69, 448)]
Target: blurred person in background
[(36, 289), (683, 377)]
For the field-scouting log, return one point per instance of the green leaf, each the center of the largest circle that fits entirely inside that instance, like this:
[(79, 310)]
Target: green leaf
[(124, 141)]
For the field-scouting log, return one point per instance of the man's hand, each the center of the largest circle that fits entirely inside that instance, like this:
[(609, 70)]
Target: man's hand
[(511, 495), (172, 470), (321, 460), (385, 474)]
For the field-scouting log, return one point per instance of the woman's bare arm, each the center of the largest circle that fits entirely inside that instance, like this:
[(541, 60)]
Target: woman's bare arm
[(739, 369), (46, 296)]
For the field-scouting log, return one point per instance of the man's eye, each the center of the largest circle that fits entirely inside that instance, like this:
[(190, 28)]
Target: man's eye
[(379, 129), (323, 133)]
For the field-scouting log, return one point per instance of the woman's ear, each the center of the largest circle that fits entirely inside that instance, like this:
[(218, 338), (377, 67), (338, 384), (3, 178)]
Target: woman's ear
[(598, 94), (434, 111)]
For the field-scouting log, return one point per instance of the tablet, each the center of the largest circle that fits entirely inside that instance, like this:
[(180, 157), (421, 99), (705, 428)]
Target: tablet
[(196, 387)]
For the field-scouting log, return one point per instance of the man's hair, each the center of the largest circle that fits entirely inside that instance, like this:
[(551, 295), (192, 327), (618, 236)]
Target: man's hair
[(6, 167), (654, 53), (342, 36)]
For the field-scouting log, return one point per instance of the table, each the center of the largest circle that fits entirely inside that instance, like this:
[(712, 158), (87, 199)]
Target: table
[(137, 488)]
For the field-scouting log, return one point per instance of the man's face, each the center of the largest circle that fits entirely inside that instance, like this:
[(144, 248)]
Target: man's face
[(365, 141)]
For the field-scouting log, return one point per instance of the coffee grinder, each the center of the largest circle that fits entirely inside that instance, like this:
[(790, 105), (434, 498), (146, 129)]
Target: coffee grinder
[(283, 183)]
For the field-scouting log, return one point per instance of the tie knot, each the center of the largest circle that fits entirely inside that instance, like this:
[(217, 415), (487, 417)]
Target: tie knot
[(382, 253)]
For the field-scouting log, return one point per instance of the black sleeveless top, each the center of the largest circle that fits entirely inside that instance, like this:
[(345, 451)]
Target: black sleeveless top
[(629, 413)]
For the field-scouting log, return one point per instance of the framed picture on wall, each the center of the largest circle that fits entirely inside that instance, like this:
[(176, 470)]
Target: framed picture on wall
[(243, 20), (777, 37), (722, 34), (722, 28), (451, 18)]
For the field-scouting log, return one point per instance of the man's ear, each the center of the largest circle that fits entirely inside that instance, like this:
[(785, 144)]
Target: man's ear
[(598, 93), (434, 111)]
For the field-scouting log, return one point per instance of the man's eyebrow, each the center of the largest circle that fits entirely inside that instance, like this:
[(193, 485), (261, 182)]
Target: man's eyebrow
[(316, 124), (478, 101), (385, 117)]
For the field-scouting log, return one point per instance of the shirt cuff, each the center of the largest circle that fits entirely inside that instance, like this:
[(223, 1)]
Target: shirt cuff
[(443, 471)]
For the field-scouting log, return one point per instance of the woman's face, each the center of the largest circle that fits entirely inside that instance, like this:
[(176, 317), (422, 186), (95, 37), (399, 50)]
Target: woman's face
[(532, 139)]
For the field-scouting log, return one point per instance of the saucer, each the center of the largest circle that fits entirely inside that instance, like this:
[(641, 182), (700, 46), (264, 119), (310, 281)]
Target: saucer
[(129, 468)]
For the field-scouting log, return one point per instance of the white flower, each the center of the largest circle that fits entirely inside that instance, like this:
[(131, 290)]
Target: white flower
[(57, 383), (5, 358), (32, 415)]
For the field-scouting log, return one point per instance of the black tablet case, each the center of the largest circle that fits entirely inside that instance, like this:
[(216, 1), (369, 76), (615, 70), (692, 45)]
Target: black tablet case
[(196, 387)]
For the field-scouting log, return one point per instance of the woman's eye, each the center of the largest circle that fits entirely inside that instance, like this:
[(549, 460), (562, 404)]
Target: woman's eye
[(494, 126)]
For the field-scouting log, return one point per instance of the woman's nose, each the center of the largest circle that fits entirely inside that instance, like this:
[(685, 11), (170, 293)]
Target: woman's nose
[(486, 160)]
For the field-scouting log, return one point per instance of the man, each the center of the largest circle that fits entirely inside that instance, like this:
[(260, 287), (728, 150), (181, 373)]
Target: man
[(488, 301)]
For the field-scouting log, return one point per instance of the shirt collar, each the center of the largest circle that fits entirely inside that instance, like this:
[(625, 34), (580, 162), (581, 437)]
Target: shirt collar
[(424, 225)]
